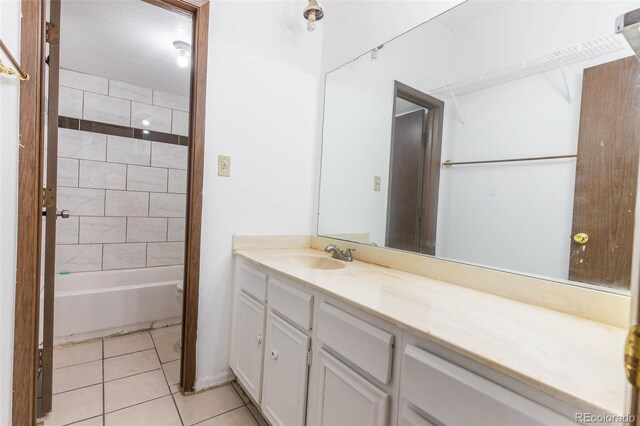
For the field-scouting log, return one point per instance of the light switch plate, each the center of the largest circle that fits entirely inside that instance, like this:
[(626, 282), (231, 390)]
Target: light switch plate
[(376, 183), (224, 165)]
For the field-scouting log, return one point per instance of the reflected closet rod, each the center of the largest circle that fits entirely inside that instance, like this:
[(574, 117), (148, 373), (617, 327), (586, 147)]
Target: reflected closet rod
[(450, 163), (6, 70)]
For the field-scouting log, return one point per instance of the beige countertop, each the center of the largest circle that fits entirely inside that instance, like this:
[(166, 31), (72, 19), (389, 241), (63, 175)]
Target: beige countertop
[(576, 360)]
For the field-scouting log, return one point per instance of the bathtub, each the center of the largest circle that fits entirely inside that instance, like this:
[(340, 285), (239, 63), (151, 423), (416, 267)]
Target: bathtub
[(103, 303)]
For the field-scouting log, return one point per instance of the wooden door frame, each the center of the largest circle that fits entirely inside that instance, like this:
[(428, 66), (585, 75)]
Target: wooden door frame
[(31, 128), (432, 138)]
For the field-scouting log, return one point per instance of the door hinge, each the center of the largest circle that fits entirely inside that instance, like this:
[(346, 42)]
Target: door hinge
[(48, 198), (632, 356), (52, 33), (309, 357), (45, 358)]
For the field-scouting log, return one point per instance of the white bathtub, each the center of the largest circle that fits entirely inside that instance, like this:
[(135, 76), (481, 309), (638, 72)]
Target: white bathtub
[(102, 303)]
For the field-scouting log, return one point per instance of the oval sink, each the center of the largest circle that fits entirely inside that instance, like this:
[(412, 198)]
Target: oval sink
[(312, 262)]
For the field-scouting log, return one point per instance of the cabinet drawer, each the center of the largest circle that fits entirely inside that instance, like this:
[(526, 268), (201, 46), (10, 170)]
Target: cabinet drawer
[(454, 396), (368, 347), (252, 280), (290, 302)]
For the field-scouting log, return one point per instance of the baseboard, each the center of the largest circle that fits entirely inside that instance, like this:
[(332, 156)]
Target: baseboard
[(215, 380), (116, 331)]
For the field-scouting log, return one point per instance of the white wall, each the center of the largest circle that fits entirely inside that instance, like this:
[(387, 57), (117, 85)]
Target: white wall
[(9, 93), (262, 101)]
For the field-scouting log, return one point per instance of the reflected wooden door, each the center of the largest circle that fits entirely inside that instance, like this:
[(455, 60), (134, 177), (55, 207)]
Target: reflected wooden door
[(403, 228), (606, 174)]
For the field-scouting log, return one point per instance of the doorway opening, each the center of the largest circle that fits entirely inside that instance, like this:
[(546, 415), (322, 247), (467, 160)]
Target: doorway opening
[(110, 197), (414, 175)]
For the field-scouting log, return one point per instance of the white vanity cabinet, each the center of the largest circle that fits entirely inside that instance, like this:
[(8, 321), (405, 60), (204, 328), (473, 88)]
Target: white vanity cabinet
[(307, 359), (249, 342), (271, 343), (284, 393)]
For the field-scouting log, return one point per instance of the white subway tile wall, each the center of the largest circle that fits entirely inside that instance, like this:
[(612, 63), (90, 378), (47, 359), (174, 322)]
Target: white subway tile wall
[(126, 196)]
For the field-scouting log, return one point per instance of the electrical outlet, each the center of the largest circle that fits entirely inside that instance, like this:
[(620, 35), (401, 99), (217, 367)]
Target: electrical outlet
[(224, 165), (376, 183)]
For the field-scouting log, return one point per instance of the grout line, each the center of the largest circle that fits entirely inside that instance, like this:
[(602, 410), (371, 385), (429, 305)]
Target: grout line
[(81, 387), (218, 415), (73, 365), (103, 390), (135, 405), (175, 404), (135, 374)]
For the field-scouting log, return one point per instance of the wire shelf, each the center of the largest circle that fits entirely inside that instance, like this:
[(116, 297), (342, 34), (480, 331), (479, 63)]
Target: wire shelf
[(571, 55)]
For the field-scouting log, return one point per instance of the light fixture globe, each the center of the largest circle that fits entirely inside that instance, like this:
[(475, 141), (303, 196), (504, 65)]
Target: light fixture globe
[(312, 13), (183, 53)]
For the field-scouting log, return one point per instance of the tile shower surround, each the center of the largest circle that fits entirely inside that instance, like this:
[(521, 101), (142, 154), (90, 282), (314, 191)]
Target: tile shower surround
[(125, 189)]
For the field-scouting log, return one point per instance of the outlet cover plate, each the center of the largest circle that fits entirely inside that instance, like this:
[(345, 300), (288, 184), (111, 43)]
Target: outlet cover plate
[(224, 165)]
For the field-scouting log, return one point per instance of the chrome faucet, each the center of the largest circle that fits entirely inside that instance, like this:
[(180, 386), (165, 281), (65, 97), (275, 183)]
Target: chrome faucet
[(336, 253)]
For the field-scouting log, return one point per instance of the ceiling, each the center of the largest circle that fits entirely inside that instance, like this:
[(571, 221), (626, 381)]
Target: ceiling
[(126, 40)]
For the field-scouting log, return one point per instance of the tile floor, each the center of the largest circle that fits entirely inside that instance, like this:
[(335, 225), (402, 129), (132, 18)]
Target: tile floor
[(133, 380)]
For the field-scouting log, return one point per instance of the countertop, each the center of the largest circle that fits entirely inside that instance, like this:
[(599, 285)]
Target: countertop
[(576, 360)]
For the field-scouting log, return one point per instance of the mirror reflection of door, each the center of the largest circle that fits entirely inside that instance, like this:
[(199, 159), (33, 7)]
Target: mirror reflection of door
[(606, 174), (414, 171)]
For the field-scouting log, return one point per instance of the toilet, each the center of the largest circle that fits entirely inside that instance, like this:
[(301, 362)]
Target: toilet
[(179, 292)]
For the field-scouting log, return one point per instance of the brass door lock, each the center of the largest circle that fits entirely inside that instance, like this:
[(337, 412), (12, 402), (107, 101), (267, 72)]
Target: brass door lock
[(581, 238)]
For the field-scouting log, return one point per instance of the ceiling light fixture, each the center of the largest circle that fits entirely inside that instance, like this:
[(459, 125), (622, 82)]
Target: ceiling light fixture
[(183, 52), (312, 13), (145, 122)]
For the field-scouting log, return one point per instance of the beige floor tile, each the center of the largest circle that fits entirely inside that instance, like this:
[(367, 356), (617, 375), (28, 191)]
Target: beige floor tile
[(167, 342), (238, 417), (126, 344), (204, 405), (159, 412), (257, 415), (77, 354), (133, 390), (77, 376), (95, 421), (174, 388), (172, 372), (164, 333), (130, 364), (241, 392), (75, 405)]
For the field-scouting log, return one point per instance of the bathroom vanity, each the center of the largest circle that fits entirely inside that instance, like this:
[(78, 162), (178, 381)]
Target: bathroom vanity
[(319, 341)]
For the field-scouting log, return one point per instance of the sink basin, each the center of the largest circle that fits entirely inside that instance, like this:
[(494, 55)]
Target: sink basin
[(312, 262)]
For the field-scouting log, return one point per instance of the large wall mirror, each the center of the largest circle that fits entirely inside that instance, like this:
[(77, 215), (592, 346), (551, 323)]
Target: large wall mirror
[(504, 134)]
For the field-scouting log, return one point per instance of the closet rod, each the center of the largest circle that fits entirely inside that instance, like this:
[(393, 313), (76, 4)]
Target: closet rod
[(450, 163), (3, 69)]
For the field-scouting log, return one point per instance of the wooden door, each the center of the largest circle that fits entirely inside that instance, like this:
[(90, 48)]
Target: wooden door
[(606, 174), (286, 372), (249, 331), (50, 212), (347, 398), (405, 184)]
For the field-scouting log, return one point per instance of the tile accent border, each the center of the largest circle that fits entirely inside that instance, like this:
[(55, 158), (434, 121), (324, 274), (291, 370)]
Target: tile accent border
[(115, 130)]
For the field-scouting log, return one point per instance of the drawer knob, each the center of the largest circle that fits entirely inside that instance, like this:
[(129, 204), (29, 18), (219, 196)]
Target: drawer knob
[(259, 339), (274, 354)]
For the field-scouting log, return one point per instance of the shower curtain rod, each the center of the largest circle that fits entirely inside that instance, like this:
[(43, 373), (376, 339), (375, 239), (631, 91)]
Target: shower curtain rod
[(450, 163), (6, 70)]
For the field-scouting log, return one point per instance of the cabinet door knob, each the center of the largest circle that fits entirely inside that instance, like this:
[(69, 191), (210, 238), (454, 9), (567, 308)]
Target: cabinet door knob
[(274, 354), (259, 339)]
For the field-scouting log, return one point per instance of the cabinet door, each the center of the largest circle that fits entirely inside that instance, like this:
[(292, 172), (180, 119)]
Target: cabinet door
[(346, 398), (285, 373), (249, 330)]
